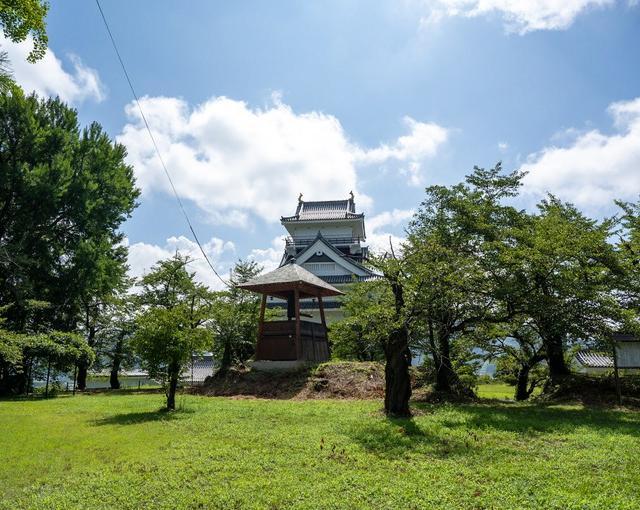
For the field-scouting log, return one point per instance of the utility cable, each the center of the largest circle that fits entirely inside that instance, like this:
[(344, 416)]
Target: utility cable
[(155, 145)]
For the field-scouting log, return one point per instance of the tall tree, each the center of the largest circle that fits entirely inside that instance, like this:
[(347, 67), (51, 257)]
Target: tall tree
[(172, 324), (453, 254), (114, 335), (235, 318), (565, 268), (64, 192)]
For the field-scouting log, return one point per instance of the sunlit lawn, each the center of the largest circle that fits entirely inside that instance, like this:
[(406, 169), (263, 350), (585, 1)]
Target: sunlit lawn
[(499, 391), (119, 451)]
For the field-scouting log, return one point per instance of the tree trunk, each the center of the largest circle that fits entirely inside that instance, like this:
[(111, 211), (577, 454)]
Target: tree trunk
[(558, 369), (46, 389), (446, 377), (113, 376), (397, 391), (225, 362), (522, 384), (81, 384), (173, 384), (397, 381), (83, 367)]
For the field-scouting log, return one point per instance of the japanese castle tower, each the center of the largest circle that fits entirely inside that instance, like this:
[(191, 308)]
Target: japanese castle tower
[(326, 238)]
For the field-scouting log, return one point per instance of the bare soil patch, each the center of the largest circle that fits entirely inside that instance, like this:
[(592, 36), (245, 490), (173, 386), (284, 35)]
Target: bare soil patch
[(341, 380)]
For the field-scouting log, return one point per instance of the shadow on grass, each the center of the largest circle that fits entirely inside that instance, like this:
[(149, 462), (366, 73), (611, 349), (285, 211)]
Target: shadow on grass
[(540, 419), (394, 437), (457, 429), (142, 417)]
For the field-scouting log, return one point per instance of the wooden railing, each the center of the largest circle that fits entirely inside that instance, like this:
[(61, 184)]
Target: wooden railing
[(278, 341)]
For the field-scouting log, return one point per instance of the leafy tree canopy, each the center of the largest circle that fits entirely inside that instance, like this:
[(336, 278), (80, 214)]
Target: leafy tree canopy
[(23, 18), (171, 326), (64, 192)]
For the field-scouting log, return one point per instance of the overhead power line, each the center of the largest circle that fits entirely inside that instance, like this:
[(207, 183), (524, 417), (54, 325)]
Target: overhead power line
[(155, 145)]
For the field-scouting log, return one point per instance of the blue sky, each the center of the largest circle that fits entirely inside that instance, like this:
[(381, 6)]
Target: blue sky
[(254, 102)]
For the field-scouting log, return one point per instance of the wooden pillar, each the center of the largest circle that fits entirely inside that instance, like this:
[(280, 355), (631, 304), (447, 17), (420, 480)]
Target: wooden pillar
[(322, 318), (325, 344), (296, 303), (263, 304)]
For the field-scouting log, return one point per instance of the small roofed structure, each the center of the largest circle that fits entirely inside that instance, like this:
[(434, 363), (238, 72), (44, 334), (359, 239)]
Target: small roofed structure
[(592, 363), (294, 339), (625, 356)]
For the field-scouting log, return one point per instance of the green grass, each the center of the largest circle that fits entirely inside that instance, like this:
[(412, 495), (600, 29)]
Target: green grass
[(500, 391), (119, 451), (497, 390)]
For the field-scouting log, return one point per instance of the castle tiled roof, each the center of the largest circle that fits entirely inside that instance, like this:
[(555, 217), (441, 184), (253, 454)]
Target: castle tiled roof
[(593, 359), (324, 210)]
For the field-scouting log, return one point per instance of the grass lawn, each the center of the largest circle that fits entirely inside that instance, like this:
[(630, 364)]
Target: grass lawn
[(118, 451), (496, 390)]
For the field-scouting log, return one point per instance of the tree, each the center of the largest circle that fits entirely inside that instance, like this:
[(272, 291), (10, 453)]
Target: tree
[(453, 255), (19, 19), (518, 352), (60, 351), (6, 76), (24, 356), (114, 338), (360, 334), (565, 269), (235, 318), (63, 195), (627, 283), (172, 324), (23, 18), (392, 322)]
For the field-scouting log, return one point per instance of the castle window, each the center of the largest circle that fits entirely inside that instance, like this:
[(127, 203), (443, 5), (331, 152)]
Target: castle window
[(321, 268)]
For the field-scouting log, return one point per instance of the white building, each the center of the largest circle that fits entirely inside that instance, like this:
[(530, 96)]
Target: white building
[(326, 238)]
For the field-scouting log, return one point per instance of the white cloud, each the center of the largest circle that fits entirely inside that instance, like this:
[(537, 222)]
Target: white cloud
[(234, 161), (503, 146), (269, 258), (381, 226), (142, 256), (422, 142), (595, 167), (520, 16), (47, 77)]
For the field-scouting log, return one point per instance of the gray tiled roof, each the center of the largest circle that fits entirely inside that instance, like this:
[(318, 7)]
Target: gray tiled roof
[(594, 359), (324, 210), (290, 273)]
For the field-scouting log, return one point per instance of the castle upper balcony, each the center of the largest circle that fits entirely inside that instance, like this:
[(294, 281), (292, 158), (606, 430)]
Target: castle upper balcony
[(334, 219)]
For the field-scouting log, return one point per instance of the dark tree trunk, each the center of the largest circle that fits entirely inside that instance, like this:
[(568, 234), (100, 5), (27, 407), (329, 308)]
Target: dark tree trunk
[(446, 377), (173, 384), (113, 376), (46, 389), (397, 381), (83, 367), (522, 384), (225, 362), (81, 383), (29, 376), (558, 369), (397, 390), (23, 378)]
